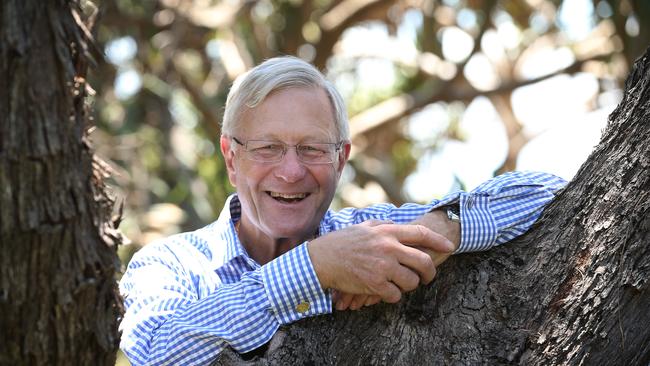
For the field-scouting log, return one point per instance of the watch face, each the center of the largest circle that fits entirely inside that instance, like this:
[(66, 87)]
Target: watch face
[(453, 213), (455, 209)]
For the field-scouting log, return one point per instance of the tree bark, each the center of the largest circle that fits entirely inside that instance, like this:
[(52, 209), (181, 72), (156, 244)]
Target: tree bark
[(58, 299), (573, 290)]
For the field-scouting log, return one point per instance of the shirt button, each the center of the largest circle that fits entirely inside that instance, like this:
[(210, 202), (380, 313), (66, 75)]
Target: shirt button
[(303, 307)]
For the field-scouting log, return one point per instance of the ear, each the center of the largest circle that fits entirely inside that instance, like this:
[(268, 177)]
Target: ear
[(229, 158), (344, 155)]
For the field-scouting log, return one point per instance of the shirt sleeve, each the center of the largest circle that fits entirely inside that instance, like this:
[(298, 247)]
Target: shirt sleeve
[(167, 322), (495, 212), (502, 208)]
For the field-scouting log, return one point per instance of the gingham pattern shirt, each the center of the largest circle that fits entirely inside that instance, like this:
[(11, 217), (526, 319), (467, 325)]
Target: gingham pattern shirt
[(189, 296)]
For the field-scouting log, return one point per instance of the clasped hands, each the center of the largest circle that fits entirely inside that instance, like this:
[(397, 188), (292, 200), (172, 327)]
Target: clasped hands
[(378, 260)]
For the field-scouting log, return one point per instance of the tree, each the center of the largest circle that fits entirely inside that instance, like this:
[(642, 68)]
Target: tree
[(58, 299), (574, 290)]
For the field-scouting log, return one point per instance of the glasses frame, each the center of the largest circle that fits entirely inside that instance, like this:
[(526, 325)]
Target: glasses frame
[(285, 148)]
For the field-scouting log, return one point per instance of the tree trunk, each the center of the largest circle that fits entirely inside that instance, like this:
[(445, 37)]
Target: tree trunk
[(573, 290), (58, 298)]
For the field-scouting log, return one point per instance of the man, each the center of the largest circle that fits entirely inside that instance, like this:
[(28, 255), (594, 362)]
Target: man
[(277, 254)]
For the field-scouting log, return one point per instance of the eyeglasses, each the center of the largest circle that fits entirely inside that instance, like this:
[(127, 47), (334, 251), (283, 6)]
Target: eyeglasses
[(273, 151)]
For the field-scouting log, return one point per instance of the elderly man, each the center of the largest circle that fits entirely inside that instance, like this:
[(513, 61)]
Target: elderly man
[(276, 254)]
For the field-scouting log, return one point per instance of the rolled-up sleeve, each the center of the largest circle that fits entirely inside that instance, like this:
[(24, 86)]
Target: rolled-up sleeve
[(502, 208)]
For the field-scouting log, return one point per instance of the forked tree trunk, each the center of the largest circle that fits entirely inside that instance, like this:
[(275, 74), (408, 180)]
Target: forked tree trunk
[(574, 290), (58, 299)]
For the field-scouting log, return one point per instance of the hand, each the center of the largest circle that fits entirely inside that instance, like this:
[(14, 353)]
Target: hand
[(436, 221), (376, 258)]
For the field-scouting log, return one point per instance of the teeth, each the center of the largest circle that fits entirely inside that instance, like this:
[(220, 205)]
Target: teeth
[(288, 196)]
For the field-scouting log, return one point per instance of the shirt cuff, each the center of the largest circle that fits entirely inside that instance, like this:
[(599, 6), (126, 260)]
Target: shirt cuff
[(478, 229), (293, 288)]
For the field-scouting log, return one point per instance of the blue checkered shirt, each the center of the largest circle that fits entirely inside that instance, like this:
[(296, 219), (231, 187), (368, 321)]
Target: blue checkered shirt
[(189, 296)]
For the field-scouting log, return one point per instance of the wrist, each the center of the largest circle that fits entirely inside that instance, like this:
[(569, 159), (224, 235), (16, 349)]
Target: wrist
[(313, 249), (453, 212), (438, 220)]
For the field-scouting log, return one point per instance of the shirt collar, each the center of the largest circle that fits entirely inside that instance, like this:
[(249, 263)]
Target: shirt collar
[(225, 229)]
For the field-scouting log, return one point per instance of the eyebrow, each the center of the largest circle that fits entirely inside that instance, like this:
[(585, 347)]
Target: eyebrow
[(301, 141)]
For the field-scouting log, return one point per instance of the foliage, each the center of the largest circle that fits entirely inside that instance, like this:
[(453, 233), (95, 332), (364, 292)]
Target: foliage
[(170, 64)]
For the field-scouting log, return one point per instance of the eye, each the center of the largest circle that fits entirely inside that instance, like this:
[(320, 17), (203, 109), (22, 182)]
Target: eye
[(313, 150), (265, 149)]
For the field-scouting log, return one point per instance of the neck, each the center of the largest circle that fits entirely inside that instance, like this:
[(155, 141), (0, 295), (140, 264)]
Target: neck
[(263, 248)]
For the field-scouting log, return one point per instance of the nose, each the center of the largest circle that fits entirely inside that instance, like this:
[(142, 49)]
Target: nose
[(290, 169)]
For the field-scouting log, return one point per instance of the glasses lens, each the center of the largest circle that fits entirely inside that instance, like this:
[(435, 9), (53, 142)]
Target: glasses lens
[(316, 153), (271, 151), (265, 151)]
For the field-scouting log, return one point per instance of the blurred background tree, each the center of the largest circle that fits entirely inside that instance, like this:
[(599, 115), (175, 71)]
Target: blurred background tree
[(442, 94)]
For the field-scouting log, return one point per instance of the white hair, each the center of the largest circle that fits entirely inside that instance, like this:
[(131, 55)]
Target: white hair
[(252, 87)]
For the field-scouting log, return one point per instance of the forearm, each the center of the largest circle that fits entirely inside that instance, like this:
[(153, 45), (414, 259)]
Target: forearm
[(172, 325), (196, 332), (504, 208), (497, 211)]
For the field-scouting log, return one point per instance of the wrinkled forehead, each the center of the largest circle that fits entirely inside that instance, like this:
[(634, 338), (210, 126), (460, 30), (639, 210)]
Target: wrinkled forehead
[(291, 111)]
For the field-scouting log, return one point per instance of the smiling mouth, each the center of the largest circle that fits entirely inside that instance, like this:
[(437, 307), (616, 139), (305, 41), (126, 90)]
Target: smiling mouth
[(287, 198)]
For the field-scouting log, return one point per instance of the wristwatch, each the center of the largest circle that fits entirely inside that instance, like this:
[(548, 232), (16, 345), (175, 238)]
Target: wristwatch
[(453, 212)]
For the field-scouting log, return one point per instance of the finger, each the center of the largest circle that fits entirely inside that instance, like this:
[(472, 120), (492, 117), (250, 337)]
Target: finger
[(335, 296), (344, 301), (372, 300), (375, 222), (405, 279), (358, 301), (390, 293), (419, 235), (418, 261), (438, 258)]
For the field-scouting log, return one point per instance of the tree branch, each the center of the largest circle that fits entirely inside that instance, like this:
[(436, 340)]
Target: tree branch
[(211, 118), (341, 17), (431, 91)]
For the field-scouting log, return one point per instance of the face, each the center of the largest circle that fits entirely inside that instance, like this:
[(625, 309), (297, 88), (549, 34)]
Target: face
[(286, 199)]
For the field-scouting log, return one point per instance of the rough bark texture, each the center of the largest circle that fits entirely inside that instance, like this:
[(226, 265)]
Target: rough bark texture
[(58, 299), (574, 290)]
